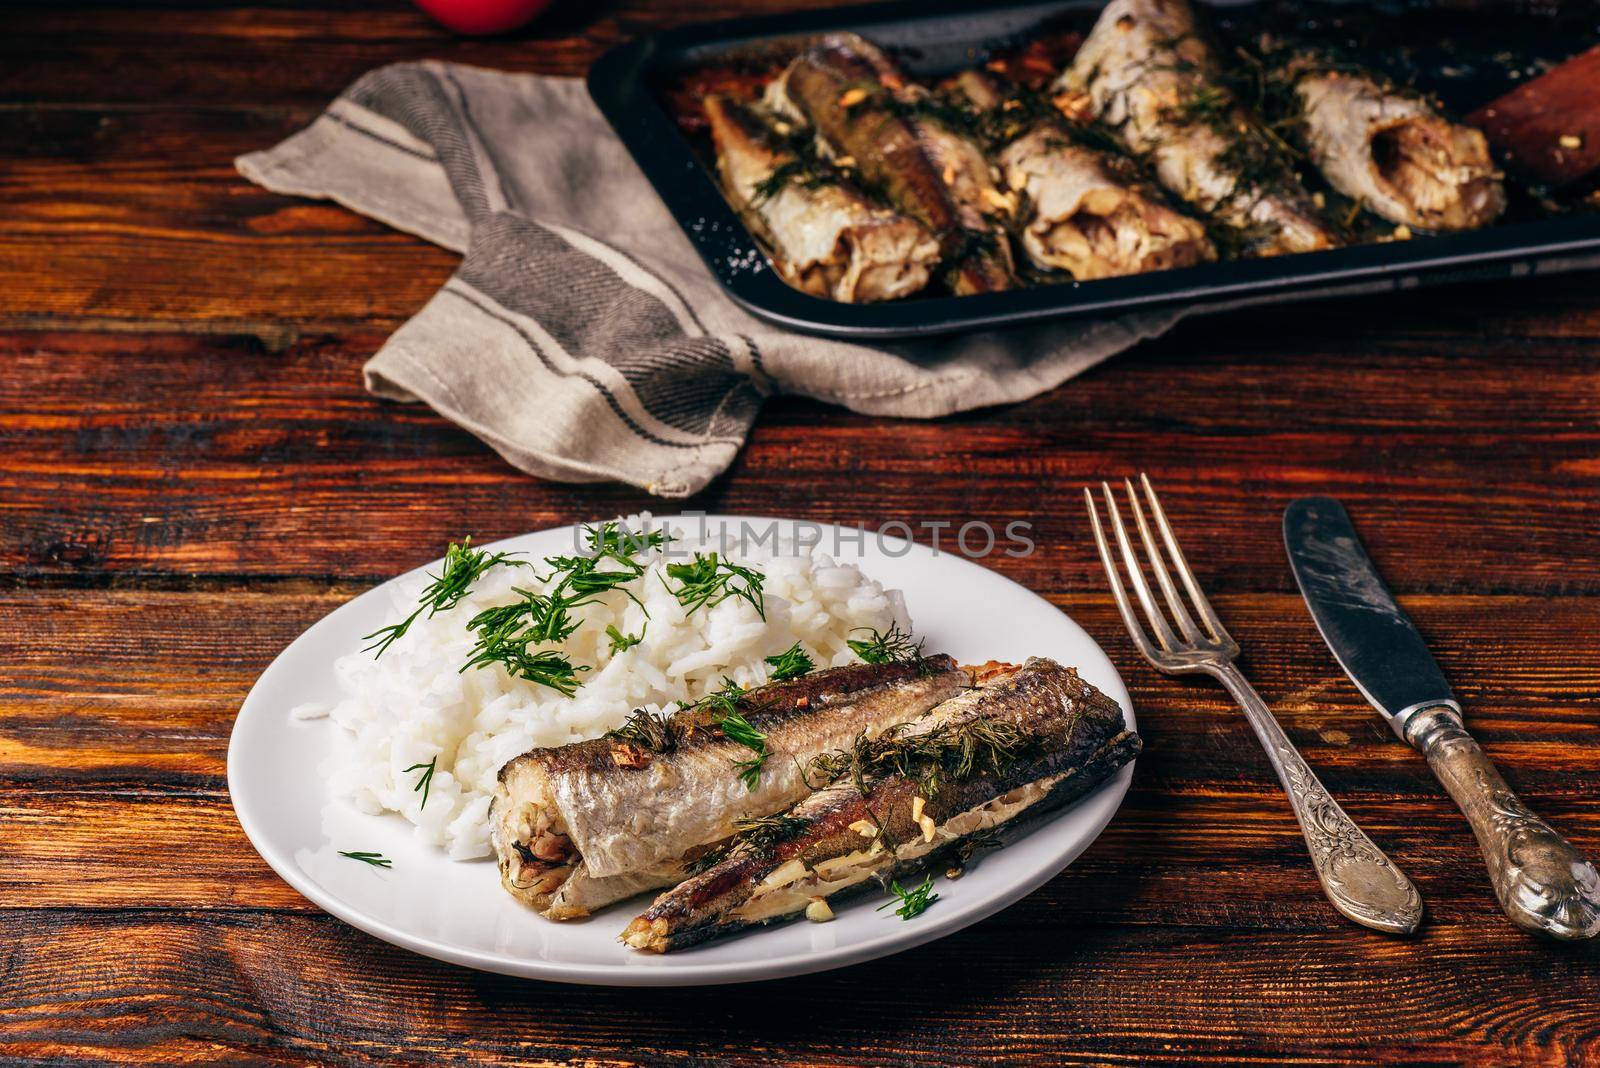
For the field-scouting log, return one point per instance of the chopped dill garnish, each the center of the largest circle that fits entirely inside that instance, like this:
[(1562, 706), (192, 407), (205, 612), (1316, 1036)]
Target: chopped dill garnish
[(425, 783), (377, 860), (617, 541), (951, 751), (738, 729), (723, 702), (723, 706), (1209, 104), (544, 668), (884, 648), (760, 836), (709, 580), (794, 172), (463, 566), (967, 243), (621, 641), (658, 734), (913, 902), (791, 664)]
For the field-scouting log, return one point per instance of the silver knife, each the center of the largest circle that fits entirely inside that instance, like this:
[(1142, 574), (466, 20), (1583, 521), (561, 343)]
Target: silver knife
[(1543, 882)]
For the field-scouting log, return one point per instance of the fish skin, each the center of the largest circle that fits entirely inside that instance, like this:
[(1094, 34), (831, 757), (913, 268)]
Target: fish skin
[(630, 821), (1397, 155), (1084, 212), (1143, 59), (930, 173), (829, 241), (1079, 739)]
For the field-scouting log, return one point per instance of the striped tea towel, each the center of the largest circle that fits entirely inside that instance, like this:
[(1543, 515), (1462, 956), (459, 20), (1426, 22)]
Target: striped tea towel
[(582, 338)]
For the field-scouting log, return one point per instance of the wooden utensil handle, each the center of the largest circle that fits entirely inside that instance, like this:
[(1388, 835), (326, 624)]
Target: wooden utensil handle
[(1545, 885)]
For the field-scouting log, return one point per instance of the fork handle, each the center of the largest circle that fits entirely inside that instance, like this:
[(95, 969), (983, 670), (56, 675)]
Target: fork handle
[(1545, 885), (1362, 883)]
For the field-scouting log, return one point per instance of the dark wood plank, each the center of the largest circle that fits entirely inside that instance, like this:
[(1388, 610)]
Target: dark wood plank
[(275, 463), (190, 474), (1054, 993), (242, 54)]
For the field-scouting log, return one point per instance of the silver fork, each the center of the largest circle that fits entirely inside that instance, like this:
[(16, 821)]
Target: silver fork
[(1360, 881)]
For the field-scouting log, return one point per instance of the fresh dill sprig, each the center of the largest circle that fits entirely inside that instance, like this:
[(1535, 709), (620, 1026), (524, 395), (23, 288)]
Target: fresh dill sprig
[(621, 641), (723, 705), (883, 648), (613, 539), (658, 734), (425, 783), (792, 663), (738, 729), (709, 580), (463, 566), (544, 668), (582, 575), (377, 860), (913, 902)]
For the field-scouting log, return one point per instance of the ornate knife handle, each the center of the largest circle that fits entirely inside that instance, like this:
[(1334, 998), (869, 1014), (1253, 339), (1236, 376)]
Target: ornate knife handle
[(1361, 882), (1543, 882)]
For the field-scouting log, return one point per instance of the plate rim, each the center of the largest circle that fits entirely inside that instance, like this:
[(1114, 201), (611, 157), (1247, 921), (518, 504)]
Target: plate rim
[(1109, 794)]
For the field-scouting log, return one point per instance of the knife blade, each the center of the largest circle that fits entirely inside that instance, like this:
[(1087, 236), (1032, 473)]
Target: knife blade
[(1544, 884), (1370, 635)]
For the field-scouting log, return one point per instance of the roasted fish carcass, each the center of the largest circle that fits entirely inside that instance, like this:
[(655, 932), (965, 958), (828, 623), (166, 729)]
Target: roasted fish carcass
[(1026, 741), (826, 237), (1083, 210), (580, 826), (1390, 149), (1147, 74), (866, 115)]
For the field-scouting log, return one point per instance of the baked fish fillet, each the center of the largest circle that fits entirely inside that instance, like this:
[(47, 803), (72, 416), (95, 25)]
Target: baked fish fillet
[(1394, 152), (1147, 74), (866, 115), (1019, 745), (1083, 210), (826, 238), (580, 826)]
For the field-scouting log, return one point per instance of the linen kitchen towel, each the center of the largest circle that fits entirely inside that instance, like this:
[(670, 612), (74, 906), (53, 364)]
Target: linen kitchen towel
[(582, 338)]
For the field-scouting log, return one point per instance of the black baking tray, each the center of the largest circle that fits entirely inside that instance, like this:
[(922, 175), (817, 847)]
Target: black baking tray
[(933, 37)]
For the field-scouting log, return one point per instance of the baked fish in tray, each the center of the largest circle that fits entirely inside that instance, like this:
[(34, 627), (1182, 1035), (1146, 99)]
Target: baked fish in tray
[(1149, 74), (1082, 210), (1027, 741), (826, 238), (653, 92), (1388, 148), (868, 116)]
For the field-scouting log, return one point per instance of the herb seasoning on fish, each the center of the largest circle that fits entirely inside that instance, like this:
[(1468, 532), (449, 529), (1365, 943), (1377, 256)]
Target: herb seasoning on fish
[(1027, 740), (862, 107), (1390, 149), (1151, 78)]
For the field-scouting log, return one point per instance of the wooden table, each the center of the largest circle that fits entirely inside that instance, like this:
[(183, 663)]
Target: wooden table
[(192, 474)]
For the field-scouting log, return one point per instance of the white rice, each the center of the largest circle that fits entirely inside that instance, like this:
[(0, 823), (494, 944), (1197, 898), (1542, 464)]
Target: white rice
[(414, 703)]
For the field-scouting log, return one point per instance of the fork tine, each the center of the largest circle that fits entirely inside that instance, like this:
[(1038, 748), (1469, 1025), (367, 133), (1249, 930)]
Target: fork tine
[(1180, 614), (1130, 560), (1207, 613), (1129, 619)]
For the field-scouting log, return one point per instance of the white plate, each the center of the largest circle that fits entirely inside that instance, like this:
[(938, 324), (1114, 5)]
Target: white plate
[(457, 912)]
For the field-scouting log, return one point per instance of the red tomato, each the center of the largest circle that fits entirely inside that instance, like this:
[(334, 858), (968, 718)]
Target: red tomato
[(483, 16)]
